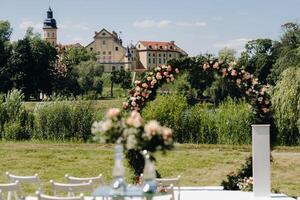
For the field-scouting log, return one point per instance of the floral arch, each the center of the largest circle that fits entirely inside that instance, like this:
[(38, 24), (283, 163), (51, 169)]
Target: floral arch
[(256, 93)]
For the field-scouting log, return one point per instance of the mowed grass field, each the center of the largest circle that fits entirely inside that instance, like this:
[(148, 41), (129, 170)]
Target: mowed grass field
[(198, 165)]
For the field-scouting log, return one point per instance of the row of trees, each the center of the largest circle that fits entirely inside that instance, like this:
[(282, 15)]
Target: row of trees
[(34, 66)]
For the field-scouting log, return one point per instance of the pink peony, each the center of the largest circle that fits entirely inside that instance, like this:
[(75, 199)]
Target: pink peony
[(112, 112), (135, 119), (151, 128), (166, 133)]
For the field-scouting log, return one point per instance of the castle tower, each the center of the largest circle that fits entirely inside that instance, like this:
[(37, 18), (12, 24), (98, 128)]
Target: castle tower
[(128, 59), (50, 28)]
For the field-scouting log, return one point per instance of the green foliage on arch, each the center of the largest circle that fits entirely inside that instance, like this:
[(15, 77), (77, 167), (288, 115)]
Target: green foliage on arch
[(145, 90)]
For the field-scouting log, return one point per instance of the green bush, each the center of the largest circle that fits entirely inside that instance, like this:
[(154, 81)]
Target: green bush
[(63, 120), (198, 125), (168, 110), (286, 107), (233, 122), (15, 121), (230, 123)]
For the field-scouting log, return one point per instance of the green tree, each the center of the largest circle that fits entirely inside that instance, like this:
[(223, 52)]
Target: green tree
[(5, 53), (227, 54), (65, 80), (258, 58), (121, 77), (74, 55), (31, 65), (287, 50), (286, 107), (88, 75)]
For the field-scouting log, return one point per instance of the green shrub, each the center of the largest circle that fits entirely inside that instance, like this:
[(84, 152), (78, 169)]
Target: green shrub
[(286, 107), (63, 120), (15, 121), (168, 110), (198, 125), (233, 122), (12, 130)]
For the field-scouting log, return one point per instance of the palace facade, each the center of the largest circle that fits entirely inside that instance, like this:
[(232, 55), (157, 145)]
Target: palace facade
[(111, 53)]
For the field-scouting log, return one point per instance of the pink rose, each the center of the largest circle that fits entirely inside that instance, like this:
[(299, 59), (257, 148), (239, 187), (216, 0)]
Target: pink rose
[(177, 71), (166, 74), (233, 72), (138, 89), (169, 68), (125, 105), (145, 85), (149, 78), (216, 65), (133, 103)]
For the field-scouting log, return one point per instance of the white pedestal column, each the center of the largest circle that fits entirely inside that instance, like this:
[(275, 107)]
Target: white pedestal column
[(261, 161)]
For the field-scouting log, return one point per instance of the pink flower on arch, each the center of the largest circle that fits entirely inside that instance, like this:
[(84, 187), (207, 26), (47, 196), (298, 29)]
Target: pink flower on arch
[(233, 72)]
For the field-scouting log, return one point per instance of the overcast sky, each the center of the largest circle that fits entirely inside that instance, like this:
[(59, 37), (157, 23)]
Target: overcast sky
[(197, 26)]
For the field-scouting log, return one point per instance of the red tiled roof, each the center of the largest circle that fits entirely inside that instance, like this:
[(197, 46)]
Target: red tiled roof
[(169, 46)]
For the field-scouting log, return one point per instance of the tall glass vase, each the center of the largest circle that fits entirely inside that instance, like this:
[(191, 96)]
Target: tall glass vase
[(118, 175), (149, 175)]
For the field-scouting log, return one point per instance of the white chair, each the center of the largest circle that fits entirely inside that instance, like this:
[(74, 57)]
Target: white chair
[(47, 197), (25, 180), (96, 181), (71, 188), (10, 188), (168, 184)]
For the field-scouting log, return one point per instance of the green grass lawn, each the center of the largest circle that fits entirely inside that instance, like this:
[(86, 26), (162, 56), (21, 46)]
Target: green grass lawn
[(199, 165)]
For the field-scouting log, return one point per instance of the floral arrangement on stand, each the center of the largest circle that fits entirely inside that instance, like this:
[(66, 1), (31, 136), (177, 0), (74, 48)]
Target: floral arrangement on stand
[(130, 130)]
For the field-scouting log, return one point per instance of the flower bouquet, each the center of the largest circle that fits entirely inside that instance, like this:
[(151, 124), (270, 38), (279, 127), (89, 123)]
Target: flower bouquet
[(134, 134)]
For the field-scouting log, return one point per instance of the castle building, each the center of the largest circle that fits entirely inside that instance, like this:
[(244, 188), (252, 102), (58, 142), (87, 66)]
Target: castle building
[(50, 28), (111, 53), (152, 53)]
